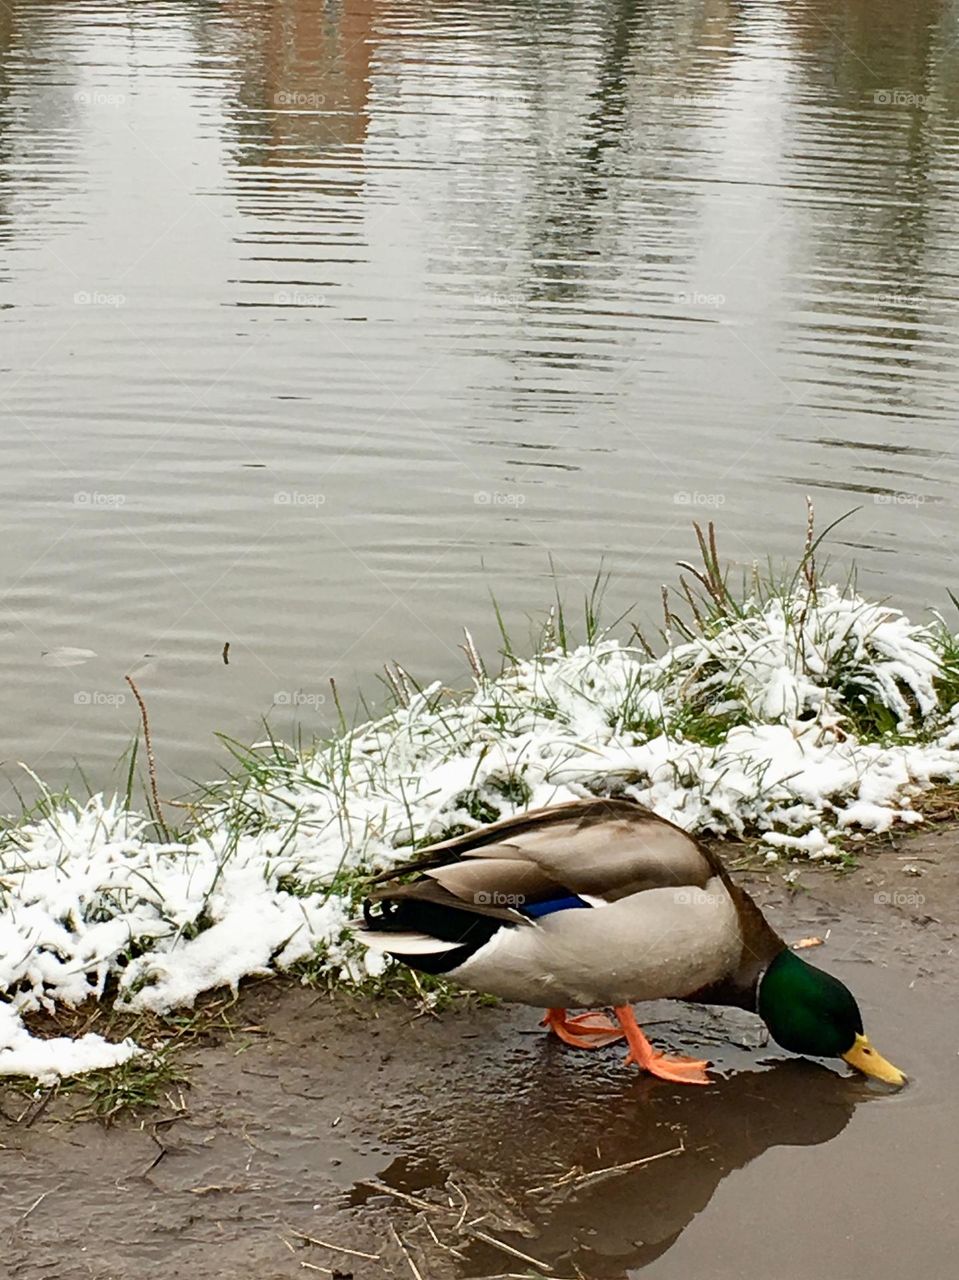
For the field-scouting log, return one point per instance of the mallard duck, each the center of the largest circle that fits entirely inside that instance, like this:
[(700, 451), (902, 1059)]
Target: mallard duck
[(603, 903)]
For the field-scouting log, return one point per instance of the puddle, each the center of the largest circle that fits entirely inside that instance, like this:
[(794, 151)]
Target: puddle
[(554, 1141)]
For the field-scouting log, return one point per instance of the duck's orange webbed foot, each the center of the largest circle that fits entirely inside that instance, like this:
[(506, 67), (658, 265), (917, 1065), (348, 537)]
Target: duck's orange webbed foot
[(641, 1052), (585, 1031)]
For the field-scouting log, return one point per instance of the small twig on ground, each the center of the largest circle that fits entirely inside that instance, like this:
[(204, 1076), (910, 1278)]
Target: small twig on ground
[(466, 1204), (32, 1116), (417, 1274), (36, 1204), (151, 761), (437, 1241), (614, 1170), (401, 1195), (337, 1248), (576, 1179), (508, 1248)]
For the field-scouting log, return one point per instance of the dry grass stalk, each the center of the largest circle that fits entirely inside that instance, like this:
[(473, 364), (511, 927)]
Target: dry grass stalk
[(395, 682), (151, 761), (473, 657)]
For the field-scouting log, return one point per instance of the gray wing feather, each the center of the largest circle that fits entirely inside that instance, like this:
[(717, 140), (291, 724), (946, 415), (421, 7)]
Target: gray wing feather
[(516, 880), (616, 858), (603, 848)]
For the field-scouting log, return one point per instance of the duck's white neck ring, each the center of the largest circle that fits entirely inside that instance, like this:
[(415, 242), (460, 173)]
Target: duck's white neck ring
[(759, 982)]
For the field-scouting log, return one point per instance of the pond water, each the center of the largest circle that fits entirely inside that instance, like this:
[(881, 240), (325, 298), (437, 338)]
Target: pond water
[(322, 321)]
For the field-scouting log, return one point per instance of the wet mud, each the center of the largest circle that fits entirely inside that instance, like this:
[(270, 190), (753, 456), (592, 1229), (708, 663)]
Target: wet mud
[(329, 1138)]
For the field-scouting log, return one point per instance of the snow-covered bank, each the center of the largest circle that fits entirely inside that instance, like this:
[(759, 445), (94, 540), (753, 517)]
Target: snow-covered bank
[(800, 717)]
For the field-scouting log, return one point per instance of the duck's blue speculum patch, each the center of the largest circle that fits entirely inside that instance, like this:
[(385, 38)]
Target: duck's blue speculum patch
[(536, 909)]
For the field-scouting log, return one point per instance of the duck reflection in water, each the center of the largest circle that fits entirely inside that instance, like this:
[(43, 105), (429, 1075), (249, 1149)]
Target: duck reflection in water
[(532, 1157)]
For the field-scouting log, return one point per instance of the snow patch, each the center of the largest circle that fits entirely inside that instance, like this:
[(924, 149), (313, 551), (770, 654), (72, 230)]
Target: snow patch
[(22, 1054)]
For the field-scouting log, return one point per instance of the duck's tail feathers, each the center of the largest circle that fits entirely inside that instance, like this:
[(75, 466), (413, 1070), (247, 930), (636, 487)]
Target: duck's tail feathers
[(401, 943)]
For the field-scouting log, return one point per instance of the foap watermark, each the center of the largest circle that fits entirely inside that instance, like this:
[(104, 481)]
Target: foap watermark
[(299, 298), (298, 698), (692, 99), (898, 499), (899, 98), (698, 897), (712, 100), (98, 698), (101, 501), (502, 97), (296, 498), (898, 898), (494, 498), (893, 299), (296, 98), (498, 299), (493, 898), (693, 298), (98, 298), (99, 98), (687, 498)]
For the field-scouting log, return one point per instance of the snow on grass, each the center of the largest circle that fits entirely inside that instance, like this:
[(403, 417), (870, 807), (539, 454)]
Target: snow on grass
[(22, 1054), (798, 716)]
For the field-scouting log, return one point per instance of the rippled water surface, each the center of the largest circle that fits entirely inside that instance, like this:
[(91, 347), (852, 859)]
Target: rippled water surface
[(320, 320)]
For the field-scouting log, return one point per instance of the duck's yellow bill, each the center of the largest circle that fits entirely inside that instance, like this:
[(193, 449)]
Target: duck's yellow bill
[(864, 1058)]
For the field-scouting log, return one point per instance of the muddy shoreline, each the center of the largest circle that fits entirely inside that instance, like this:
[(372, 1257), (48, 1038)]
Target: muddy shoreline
[(439, 1144)]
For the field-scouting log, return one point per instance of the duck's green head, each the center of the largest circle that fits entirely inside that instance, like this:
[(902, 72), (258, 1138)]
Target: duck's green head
[(811, 1012)]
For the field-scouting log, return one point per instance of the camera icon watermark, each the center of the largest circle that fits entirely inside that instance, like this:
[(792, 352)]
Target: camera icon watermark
[(498, 299), (298, 698), (84, 498), (98, 98), (899, 98), (299, 298), (899, 898), (693, 298), (690, 99), (98, 298), (494, 498), (685, 498), (98, 698), (294, 98), (898, 499), (693, 897), (493, 898), (296, 498)]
